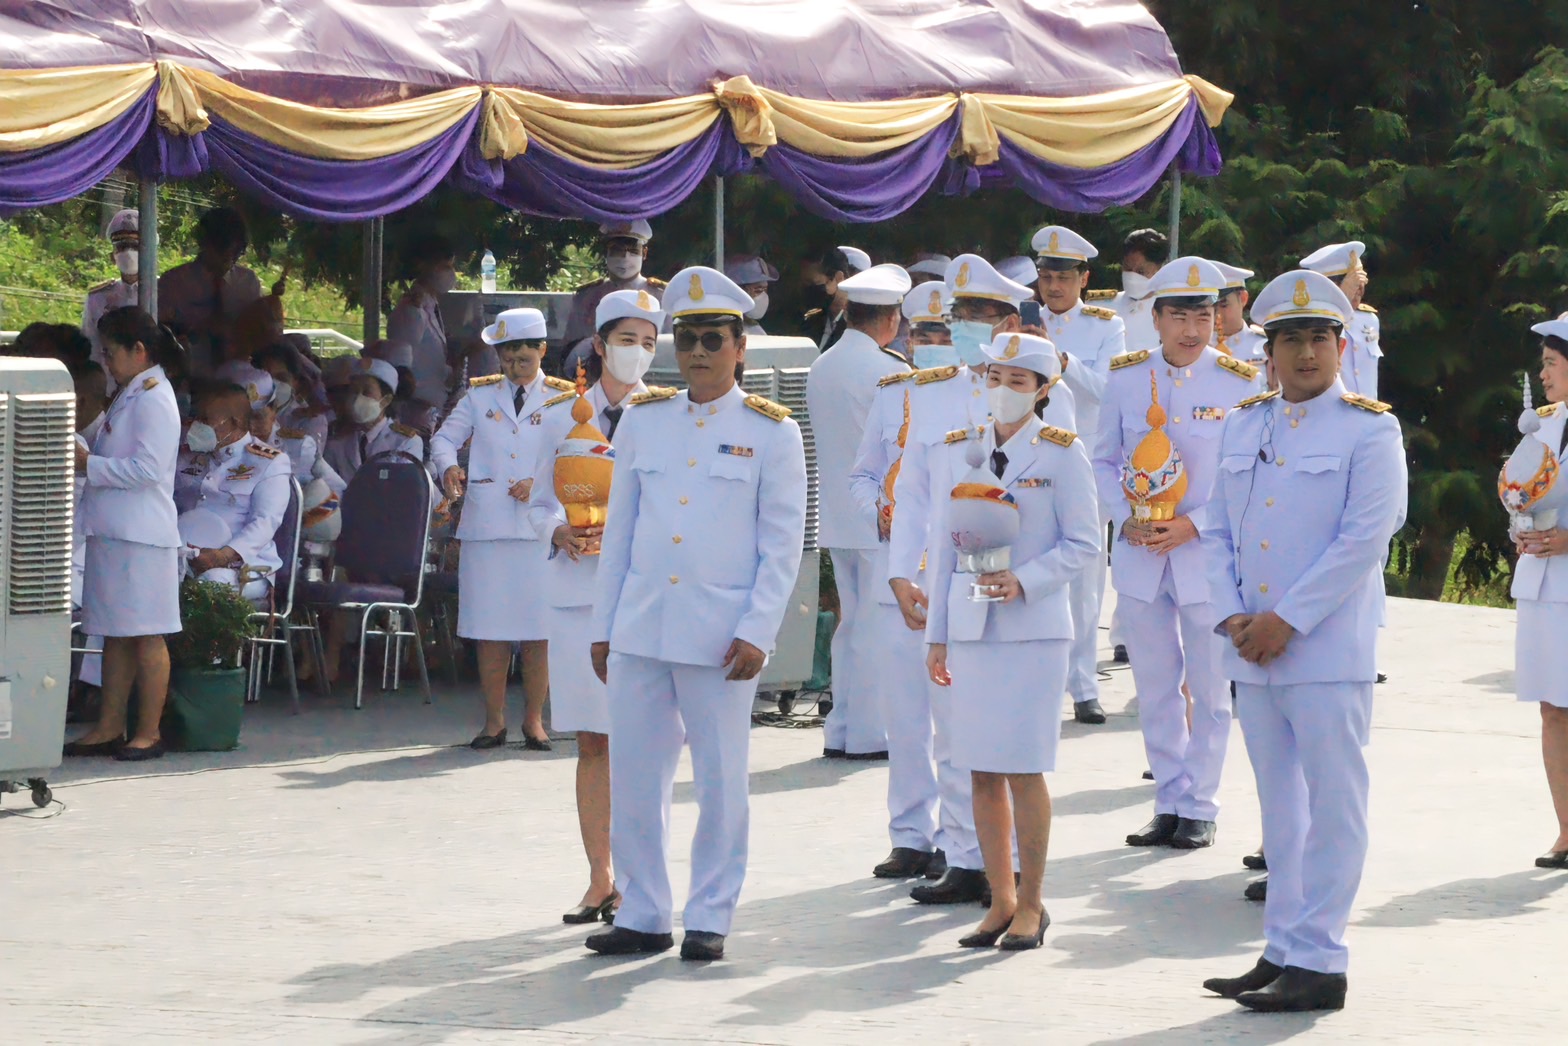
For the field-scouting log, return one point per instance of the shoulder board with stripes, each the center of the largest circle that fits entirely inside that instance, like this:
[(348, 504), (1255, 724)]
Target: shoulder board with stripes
[(930, 374), (1060, 437), (261, 450), (767, 408), (894, 379), (1366, 403), (1099, 313), (960, 435), (403, 430), (561, 384), (480, 382), (1129, 359), (1252, 401), (1099, 296), (1364, 307), (562, 398), (1237, 367), (654, 394)]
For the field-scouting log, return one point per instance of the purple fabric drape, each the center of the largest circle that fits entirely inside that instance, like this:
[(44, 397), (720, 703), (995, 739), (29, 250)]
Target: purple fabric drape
[(545, 183), (869, 190), (56, 173), (1189, 143)]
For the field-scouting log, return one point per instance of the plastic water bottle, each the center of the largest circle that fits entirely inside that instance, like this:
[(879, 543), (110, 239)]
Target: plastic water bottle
[(487, 273)]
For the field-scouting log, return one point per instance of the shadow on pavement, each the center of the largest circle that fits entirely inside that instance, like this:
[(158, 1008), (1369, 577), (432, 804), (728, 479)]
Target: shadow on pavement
[(1233, 1024), (1507, 895)]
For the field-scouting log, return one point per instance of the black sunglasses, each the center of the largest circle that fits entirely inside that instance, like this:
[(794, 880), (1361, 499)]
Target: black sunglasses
[(686, 340)]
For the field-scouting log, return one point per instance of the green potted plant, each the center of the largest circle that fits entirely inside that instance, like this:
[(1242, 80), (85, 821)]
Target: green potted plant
[(206, 683)]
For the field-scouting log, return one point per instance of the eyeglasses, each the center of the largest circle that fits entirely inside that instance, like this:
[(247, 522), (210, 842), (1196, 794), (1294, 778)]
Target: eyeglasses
[(686, 340)]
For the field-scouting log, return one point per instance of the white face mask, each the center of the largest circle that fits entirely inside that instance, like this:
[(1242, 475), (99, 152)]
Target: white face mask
[(623, 266), (1135, 284), (282, 395), (759, 307), (365, 409), (627, 363), (1009, 405), (128, 261), (202, 438), (443, 281)]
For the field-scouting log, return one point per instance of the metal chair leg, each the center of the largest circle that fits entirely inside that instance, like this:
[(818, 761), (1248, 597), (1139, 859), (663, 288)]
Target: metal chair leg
[(359, 669), (419, 653), (288, 668)]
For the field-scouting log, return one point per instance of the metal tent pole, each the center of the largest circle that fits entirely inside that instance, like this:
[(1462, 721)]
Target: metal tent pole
[(147, 261), (371, 278), (1175, 212), (718, 223)]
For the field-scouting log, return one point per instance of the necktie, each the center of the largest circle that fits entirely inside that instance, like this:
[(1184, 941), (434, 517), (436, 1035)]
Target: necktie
[(614, 414), (998, 463), (518, 395), (364, 446)]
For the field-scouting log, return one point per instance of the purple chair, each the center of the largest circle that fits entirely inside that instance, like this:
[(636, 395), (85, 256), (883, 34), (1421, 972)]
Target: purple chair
[(276, 630), (386, 529)]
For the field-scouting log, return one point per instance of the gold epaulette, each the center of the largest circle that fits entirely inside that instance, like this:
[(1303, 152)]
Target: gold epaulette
[(291, 433), (894, 379), (1238, 367), (1366, 403), (767, 408), (1099, 296), (654, 281), (810, 313), (960, 435), (105, 285), (1260, 398), (889, 352), (403, 430), (482, 381), (930, 374), (149, 384), (1060, 437), (1099, 313), (1364, 307), (562, 398), (1547, 411), (561, 384), (1129, 359), (261, 450), (654, 394)]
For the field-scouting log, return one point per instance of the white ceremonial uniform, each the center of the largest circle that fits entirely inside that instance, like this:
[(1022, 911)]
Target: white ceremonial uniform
[(113, 294), (578, 701), (501, 580), (309, 420), (1165, 599), (130, 580), (702, 546), (1540, 587), (417, 321), (1091, 337), (1308, 497), (1248, 344), (351, 448), (198, 304), (1137, 315), (1009, 662), (1363, 351), (839, 389), (246, 484)]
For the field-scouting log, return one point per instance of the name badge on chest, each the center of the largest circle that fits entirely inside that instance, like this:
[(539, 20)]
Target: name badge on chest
[(240, 472), (739, 452), (1208, 414), (1032, 482)]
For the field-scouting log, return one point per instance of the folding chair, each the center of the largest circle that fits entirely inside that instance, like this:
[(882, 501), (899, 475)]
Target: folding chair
[(386, 529), (276, 620)]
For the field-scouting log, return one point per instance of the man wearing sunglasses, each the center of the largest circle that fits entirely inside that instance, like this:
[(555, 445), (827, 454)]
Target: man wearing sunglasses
[(699, 557)]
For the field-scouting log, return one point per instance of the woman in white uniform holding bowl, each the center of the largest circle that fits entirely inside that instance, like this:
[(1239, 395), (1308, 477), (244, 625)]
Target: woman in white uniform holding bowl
[(1000, 638), (131, 580), (627, 327)]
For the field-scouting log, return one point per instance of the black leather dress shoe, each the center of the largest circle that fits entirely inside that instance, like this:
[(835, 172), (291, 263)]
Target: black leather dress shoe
[(1256, 979), (1157, 832), (76, 748), (938, 866), (702, 946), (832, 753), (867, 757), (1257, 890), (958, 886), (1297, 991), (1148, 775), (903, 863), (127, 754), (618, 940), (1089, 712), (1193, 834), (1381, 678), (1550, 859), (1119, 655), (1256, 861)]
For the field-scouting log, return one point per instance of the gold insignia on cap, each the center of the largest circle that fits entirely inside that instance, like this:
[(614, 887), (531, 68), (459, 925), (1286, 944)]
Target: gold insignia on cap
[(250, 391), (500, 329), (695, 291), (1302, 298), (1194, 277), (1012, 348), (645, 302), (1055, 244), (1354, 261), (935, 307), (963, 276)]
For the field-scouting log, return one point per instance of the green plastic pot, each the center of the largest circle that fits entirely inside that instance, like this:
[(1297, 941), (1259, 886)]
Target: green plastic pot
[(205, 709)]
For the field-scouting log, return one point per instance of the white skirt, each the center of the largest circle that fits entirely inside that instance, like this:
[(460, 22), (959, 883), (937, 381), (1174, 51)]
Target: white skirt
[(501, 591), (577, 699), (130, 589), (1006, 713), (1541, 652)]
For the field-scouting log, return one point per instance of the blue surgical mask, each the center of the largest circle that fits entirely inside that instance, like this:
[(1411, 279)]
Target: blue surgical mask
[(970, 338), (935, 356)]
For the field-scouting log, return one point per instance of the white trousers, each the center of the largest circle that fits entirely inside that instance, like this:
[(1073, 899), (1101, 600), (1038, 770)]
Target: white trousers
[(856, 724), (911, 764), (654, 705), (1306, 745), (1169, 644), (1087, 592)]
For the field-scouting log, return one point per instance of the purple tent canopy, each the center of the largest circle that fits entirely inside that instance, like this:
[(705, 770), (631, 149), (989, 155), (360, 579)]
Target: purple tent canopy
[(350, 55)]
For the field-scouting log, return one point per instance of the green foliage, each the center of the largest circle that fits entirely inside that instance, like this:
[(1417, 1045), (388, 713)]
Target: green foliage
[(216, 621)]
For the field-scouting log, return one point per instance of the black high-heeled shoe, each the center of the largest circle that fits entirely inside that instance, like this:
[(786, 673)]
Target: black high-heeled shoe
[(1017, 942), (592, 913), (981, 939)]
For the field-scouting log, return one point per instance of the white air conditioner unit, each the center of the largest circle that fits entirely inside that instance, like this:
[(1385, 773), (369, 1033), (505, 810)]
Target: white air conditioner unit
[(776, 368), (37, 426)]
